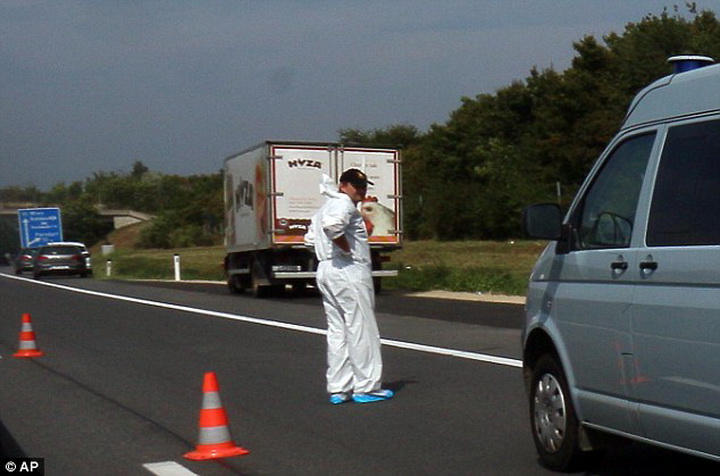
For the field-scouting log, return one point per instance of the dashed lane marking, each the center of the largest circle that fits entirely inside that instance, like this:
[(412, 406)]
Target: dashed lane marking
[(168, 468)]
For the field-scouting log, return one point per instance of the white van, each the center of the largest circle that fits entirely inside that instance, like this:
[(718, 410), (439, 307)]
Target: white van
[(622, 329)]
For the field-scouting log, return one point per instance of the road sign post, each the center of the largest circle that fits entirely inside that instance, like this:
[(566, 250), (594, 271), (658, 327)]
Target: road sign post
[(39, 226)]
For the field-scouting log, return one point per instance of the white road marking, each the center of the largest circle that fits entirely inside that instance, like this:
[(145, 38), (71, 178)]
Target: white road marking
[(492, 359), (168, 468)]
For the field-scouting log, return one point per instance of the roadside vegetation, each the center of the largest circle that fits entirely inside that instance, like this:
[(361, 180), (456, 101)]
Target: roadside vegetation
[(465, 266), (496, 267), (468, 266)]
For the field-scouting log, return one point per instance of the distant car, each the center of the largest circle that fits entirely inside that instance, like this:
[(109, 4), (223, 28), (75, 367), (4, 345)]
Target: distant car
[(62, 259), (24, 260), (85, 252)]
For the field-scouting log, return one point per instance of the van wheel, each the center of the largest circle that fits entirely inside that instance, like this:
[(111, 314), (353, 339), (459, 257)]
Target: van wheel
[(555, 426)]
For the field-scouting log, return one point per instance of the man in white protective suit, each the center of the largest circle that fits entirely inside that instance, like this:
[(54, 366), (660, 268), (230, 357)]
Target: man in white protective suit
[(344, 277)]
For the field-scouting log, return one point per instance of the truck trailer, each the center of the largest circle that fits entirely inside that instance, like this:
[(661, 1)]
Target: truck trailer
[(273, 190)]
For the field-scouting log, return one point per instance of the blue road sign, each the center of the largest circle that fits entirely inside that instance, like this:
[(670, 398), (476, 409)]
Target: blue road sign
[(39, 226)]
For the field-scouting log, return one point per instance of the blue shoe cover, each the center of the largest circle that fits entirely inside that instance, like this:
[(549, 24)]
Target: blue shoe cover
[(338, 398), (374, 396)]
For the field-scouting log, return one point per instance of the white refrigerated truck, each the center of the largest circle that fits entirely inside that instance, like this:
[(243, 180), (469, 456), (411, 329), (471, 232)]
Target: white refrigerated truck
[(273, 190)]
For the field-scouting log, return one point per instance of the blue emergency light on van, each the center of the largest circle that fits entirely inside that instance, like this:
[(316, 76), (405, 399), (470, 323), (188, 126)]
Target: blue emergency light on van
[(685, 63)]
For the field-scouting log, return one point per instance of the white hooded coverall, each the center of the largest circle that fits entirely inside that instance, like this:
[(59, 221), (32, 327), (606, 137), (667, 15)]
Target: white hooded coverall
[(345, 281)]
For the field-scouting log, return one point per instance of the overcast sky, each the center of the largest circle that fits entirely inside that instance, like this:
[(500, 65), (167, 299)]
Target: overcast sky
[(95, 85)]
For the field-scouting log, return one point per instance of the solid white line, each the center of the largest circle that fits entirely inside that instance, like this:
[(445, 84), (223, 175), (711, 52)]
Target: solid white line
[(168, 468), (283, 325), (462, 354)]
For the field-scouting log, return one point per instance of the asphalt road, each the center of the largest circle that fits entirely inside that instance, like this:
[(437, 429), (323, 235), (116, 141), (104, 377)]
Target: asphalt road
[(118, 390)]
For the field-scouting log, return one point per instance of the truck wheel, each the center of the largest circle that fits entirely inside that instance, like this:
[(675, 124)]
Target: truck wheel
[(235, 284), (555, 426), (377, 285), (298, 287), (267, 291), (257, 290), (260, 291)]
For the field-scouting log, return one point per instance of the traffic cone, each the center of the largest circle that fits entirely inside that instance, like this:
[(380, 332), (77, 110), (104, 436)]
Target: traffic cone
[(214, 440), (28, 347)]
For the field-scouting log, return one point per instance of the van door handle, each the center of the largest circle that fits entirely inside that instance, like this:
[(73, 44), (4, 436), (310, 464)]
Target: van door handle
[(648, 265), (619, 265)]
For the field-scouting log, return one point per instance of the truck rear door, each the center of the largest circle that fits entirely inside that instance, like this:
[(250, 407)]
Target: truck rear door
[(382, 208), (295, 194)]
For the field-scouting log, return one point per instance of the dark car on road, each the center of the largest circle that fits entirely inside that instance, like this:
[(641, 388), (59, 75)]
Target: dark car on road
[(24, 260), (62, 259)]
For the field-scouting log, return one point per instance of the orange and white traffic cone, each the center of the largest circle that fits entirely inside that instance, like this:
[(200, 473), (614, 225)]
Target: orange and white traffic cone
[(28, 346), (214, 440)]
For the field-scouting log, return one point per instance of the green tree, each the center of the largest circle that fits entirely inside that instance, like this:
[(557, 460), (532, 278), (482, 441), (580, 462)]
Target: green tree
[(61, 193), (194, 216), (82, 222), (15, 194), (139, 170), (469, 177), (399, 135), (9, 237)]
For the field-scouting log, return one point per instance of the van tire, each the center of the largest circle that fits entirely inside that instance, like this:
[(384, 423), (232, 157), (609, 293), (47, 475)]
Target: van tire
[(555, 427)]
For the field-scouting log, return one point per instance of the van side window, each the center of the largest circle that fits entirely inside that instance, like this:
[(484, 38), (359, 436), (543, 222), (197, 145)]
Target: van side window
[(686, 202), (607, 212)]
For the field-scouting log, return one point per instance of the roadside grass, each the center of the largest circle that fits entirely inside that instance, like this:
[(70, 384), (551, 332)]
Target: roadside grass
[(465, 266), (195, 264)]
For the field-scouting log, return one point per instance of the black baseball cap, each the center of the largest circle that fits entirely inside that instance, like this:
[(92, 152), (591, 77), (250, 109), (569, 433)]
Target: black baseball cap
[(355, 177)]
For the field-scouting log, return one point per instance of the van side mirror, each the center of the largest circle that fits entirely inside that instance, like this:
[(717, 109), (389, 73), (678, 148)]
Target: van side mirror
[(543, 221)]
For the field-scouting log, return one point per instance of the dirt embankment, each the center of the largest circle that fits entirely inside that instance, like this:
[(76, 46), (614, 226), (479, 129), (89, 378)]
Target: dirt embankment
[(123, 238)]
